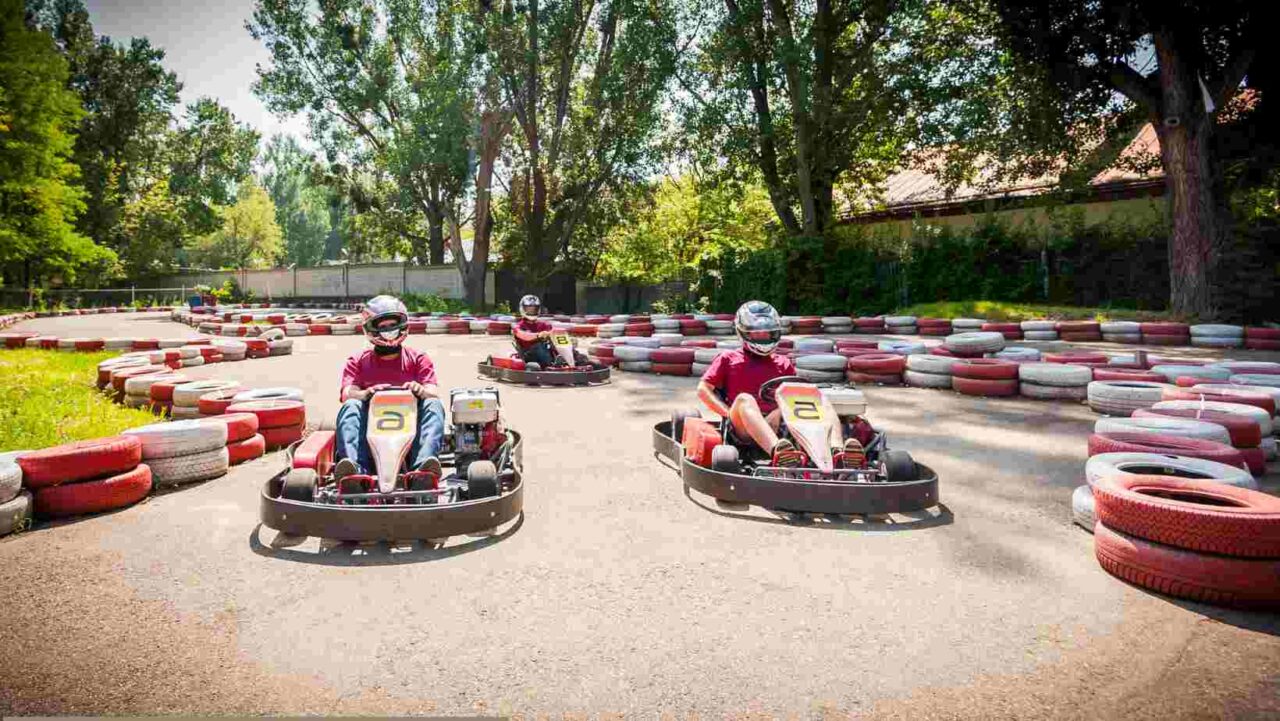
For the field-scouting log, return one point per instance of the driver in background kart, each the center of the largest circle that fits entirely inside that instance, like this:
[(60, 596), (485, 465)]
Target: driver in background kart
[(388, 363), (532, 334), (738, 375)]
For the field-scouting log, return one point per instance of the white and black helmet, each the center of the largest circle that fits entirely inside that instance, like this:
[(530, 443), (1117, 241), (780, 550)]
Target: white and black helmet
[(378, 310), (759, 326), (530, 307)]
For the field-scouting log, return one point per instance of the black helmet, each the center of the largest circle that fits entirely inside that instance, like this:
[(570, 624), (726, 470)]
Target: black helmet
[(530, 307), (759, 326)]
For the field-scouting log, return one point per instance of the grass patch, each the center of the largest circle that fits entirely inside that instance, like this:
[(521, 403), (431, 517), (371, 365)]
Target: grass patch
[(1001, 311), (48, 397)]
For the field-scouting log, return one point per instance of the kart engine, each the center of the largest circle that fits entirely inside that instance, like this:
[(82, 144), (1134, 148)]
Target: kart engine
[(477, 426)]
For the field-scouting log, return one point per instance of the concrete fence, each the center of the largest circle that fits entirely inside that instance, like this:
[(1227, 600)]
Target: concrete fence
[(338, 281)]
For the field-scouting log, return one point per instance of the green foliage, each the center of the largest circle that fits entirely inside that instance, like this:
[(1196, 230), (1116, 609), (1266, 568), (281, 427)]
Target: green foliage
[(302, 205), (150, 231), (248, 237), (39, 195), (1003, 311), (46, 399), (210, 154), (431, 303)]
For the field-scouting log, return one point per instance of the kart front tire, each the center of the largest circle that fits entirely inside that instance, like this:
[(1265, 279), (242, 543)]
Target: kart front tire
[(899, 467), (724, 458), (482, 480), (533, 366), (677, 421), (299, 485)]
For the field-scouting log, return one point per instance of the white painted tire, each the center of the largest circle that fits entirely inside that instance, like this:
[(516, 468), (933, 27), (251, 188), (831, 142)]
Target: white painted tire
[(815, 345), (167, 343), (719, 325), (117, 343), (836, 320), (729, 344), (1182, 427), (706, 355), (184, 413), (636, 366), (1212, 330), (1122, 327), (1038, 326), (1056, 374), (920, 379), (1110, 465), (188, 394), (1124, 397), (963, 324), (1051, 393), (639, 341), (1173, 372), (1019, 354), (632, 353), (178, 438), (1122, 337), (296, 329), (825, 362), (932, 364), (10, 480), (985, 341), (1255, 379), (1244, 367), (1265, 424), (900, 320), (1213, 341), (272, 334), (277, 393), (837, 329), (15, 513), (186, 352), (697, 369), (668, 340), (1040, 335), (665, 324), (1231, 389), (1082, 508), (814, 376), (191, 468)]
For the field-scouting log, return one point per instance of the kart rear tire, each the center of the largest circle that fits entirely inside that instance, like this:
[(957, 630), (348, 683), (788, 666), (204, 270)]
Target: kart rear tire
[(724, 458), (299, 485), (677, 421), (482, 480), (899, 467)]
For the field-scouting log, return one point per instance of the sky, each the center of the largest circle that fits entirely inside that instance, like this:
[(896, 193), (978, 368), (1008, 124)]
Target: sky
[(206, 44)]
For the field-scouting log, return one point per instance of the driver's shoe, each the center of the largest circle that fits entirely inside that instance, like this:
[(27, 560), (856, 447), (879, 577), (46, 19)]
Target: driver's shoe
[(432, 467), (345, 467), (785, 454), (854, 455)]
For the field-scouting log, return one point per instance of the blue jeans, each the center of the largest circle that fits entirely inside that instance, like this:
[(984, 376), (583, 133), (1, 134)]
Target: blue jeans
[(539, 352), (353, 422)]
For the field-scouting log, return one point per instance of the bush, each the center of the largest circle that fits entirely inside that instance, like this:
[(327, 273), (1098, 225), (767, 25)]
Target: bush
[(431, 303)]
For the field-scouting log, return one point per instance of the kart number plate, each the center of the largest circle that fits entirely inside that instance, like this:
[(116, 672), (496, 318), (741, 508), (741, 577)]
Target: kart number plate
[(391, 417), (803, 404), (560, 339)]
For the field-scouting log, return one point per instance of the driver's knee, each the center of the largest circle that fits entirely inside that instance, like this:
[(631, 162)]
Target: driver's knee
[(351, 407), (431, 405)]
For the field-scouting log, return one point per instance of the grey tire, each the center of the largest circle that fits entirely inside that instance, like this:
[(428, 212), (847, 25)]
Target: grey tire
[(1082, 512)]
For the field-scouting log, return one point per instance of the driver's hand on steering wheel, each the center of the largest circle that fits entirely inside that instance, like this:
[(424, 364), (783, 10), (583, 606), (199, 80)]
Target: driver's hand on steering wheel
[(418, 390), (544, 335)]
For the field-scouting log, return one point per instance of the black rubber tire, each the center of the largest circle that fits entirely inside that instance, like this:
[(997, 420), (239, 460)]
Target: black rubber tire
[(299, 485), (899, 466), (724, 458), (482, 480), (677, 421)]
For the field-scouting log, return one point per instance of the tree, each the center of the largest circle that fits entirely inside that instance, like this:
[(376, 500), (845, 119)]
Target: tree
[(248, 237), (824, 97), (209, 155), (302, 206), (39, 198), (391, 85), (585, 80), (1198, 54)]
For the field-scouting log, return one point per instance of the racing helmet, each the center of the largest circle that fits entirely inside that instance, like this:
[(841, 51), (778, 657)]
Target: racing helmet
[(530, 307), (375, 314), (759, 327)]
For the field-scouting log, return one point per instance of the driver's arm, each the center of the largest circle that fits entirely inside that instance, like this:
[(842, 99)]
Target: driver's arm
[(524, 336), (354, 392), (707, 394)]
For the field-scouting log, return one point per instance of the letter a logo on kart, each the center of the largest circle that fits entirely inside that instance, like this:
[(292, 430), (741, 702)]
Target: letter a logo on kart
[(390, 420)]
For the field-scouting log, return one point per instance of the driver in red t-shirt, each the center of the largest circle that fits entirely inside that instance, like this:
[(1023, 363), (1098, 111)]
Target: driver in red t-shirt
[(738, 375), (532, 334)]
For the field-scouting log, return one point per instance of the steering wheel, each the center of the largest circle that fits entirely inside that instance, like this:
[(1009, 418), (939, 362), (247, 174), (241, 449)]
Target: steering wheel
[(769, 388)]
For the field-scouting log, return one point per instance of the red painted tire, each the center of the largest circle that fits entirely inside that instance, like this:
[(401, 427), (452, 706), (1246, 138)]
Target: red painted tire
[(883, 379), (1112, 373), (878, 364), (671, 355), (1080, 326), (936, 331), (638, 329), (459, 327), (272, 413), (604, 352), (281, 436), (1244, 431), (1168, 445), (1077, 357), (104, 494), (671, 369), (80, 461), (1255, 459), (1194, 514), (256, 344), (583, 330), (1250, 343), (877, 322), (688, 325), (985, 369), (162, 391), (91, 344), (247, 450), (699, 343), (146, 344), (939, 350), (499, 328), (1165, 329), (1262, 333), (1170, 340), (984, 386), (240, 426), (1203, 577), (1266, 403), (1080, 337), (319, 329), (49, 344), (1010, 331)]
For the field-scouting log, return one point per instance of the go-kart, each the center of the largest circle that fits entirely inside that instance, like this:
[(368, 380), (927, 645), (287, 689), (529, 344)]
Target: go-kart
[(570, 367), (714, 461), (479, 490)]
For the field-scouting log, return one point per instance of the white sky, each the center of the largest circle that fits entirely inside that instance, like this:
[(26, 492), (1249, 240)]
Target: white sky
[(206, 44)]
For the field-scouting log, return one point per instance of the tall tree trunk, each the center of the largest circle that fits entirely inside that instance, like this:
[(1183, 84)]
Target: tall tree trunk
[(435, 243), (1183, 130)]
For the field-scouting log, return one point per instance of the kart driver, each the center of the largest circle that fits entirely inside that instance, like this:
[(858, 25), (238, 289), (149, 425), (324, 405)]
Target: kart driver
[(389, 363), (731, 387), (532, 334)]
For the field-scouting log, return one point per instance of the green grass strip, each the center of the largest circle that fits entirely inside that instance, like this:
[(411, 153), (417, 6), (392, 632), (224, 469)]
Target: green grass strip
[(48, 397)]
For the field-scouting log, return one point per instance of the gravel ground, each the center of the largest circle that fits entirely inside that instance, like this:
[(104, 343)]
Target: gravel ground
[(620, 594)]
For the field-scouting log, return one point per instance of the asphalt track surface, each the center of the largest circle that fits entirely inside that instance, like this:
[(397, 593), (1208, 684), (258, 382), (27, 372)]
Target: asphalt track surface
[(618, 594)]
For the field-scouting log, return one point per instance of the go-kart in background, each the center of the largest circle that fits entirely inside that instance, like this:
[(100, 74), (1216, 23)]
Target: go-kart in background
[(617, 593)]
